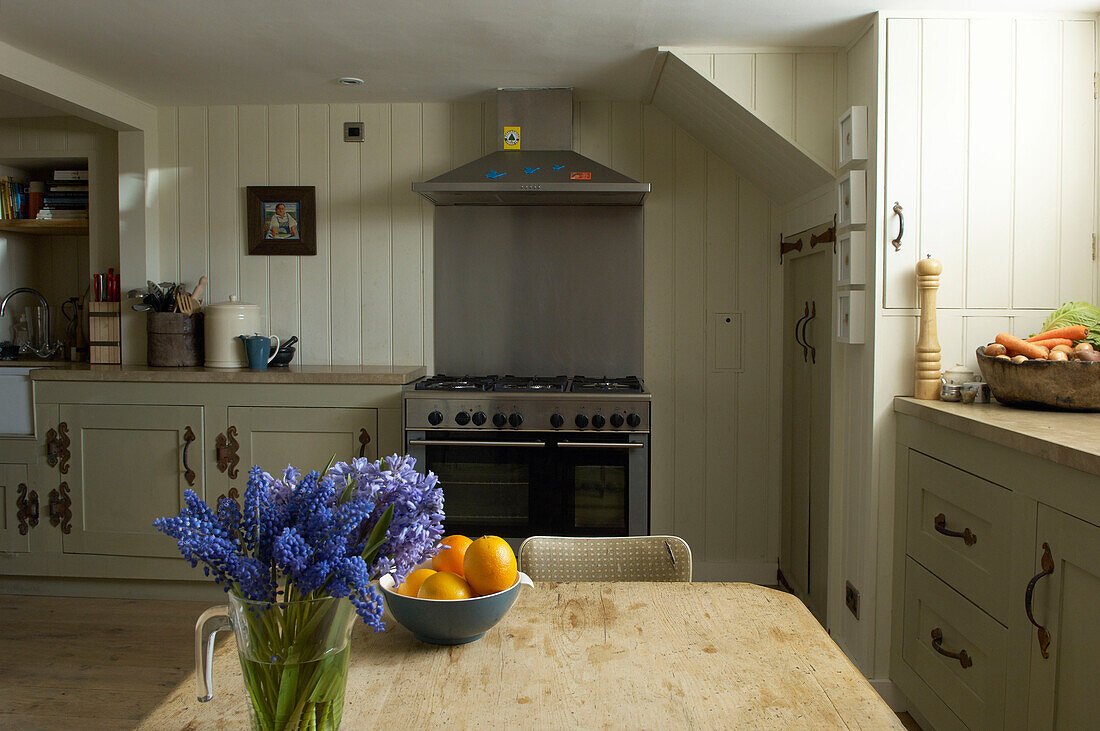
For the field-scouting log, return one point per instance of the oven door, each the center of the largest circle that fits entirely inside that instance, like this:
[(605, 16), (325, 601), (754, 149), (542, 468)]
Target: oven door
[(493, 484), (605, 484)]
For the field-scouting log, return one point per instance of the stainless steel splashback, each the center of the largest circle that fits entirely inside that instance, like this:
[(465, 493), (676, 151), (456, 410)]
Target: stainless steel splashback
[(543, 290)]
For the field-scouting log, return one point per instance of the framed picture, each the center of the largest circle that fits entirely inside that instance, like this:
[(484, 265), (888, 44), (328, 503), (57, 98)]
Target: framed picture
[(281, 220)]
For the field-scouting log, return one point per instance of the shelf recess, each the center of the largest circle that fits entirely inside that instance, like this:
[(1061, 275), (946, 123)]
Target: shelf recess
[(36, 227)]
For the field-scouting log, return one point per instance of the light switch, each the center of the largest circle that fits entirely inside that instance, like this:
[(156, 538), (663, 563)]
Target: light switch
[(727, 341)]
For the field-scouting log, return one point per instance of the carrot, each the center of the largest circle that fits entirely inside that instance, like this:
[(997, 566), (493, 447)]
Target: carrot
[(1073, 332), (1052, 342), (1020, 346)]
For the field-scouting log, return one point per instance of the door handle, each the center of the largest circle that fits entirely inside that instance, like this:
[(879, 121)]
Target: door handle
[(602, 445), (364, 440), (188, 473), (461, 443), (1047, 563), (797, 325), (805, 343), (940, 523), (937, 645), (901, 226)]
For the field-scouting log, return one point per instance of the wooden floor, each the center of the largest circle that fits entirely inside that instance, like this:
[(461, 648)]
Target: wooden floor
[(96, 663)]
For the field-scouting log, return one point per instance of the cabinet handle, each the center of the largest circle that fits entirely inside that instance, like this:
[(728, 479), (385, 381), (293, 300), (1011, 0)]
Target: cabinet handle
[(901, 226), (937, 645), (60, 508), (227, 447), (805, 343), (940, 521), (188, 473), (26, 504), (797, 327), (364, 440), (1047, 562)]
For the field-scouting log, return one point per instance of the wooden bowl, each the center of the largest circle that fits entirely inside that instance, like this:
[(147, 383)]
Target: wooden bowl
[(1043, 384)]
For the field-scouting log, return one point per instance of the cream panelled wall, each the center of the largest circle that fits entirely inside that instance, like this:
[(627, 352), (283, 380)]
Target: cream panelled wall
[(366, 296)]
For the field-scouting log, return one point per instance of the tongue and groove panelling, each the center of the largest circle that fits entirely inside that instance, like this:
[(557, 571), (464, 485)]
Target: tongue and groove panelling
[(366, 296)]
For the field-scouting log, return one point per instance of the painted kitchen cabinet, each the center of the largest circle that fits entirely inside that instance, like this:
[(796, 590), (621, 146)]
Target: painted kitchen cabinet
[(991, 544), (130, 464), (990, 153), (302, 436), (20, 508)]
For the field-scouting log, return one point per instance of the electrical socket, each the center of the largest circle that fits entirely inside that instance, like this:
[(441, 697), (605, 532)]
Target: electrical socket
[(851, 598)]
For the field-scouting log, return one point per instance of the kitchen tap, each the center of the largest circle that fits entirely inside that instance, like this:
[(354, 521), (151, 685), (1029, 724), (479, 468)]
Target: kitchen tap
[(46, 351)]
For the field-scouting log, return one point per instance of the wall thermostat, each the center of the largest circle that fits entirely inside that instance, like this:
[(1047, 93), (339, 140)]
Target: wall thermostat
[(353, 131)]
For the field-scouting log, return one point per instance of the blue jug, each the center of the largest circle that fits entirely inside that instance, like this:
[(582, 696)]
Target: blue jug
[(258, 349)]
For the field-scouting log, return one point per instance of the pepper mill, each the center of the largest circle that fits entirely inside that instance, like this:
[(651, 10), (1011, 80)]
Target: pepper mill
[(928, 343)]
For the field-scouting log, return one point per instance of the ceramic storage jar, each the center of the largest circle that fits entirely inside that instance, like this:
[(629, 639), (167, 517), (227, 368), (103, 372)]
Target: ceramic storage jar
[(224, 322)]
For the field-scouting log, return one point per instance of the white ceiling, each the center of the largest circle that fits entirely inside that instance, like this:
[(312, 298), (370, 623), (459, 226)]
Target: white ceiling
[(247, 51)]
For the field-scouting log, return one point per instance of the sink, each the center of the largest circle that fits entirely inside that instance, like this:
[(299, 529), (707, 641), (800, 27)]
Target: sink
[(17, 416)]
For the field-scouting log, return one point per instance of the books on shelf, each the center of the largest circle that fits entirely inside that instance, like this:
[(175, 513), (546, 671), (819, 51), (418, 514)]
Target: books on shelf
[(14, 201), (70, 175), (65, 197)]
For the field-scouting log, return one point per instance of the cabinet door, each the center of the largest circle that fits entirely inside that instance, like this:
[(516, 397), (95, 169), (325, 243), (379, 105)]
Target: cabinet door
[(305, 437), (1063, 686), (20, 508), (127, 470)]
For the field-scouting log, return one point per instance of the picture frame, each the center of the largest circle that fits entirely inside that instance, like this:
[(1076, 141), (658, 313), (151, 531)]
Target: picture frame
[(282, 220)]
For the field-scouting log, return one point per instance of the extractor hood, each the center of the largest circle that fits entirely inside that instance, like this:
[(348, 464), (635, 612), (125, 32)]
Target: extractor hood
[(535, 165)]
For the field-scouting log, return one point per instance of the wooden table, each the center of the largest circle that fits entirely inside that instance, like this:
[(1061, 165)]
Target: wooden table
[(592, 655)]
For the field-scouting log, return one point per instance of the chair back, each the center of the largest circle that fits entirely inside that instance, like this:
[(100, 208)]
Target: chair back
[(627, 558)]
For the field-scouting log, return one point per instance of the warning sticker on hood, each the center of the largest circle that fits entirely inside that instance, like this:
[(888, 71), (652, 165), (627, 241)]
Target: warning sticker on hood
[(580, 176)]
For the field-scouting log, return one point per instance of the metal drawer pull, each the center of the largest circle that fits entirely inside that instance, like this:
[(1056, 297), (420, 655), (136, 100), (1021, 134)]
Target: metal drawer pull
[(937, 645), (364, 440), (1047, 563), (901, 226), (188, 473), (461, 443), (602, 445), (940, 522)]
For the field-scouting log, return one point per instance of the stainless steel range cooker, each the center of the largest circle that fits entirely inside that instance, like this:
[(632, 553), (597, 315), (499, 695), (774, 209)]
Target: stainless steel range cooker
[(521, 456)]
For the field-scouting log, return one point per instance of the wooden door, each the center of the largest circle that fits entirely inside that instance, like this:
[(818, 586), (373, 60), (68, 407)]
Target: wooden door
[(804, 504), (128, 467), (21, 508), (306, 437), (1063, 685)]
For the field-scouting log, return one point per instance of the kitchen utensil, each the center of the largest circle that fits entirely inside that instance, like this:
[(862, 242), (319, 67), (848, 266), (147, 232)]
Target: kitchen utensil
[(453, 621), (975, 392), (200, 289), (1066, 385), (141, 308), (224, 322), (282, 356), (958, 375), (927, 374), (258, 348), (950, 392), (289, 343)]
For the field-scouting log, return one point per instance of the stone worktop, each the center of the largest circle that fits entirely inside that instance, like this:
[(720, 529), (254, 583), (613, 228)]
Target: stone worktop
[(1067, 438), (353, 375)]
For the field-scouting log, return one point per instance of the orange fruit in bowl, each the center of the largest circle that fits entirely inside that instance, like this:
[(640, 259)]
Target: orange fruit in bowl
[(444, 585), (452, 550), (489, 565), (412, 583)]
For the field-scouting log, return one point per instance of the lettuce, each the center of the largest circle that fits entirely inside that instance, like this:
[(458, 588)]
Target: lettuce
[(1076, 313)]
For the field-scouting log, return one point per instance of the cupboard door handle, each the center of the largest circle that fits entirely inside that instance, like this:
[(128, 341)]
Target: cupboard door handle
[(60, 508), (188, 473), (364, 440), (805, 343), (797, 327), (937, 645), (940, 521), (901, 226), (226, 452), (26, 504), (1047, 564)]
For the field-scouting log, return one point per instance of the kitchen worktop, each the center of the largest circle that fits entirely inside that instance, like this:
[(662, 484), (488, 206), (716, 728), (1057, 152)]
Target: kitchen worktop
[(1068, 438), (352, 375)]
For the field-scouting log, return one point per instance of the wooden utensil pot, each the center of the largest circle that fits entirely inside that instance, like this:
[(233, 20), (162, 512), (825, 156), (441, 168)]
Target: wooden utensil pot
[(175, 339)]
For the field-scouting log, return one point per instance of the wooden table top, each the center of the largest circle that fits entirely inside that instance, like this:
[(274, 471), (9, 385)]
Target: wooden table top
[(594, 654)]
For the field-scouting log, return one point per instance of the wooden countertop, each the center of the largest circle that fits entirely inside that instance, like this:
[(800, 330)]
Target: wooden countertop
[(1068, 438), (624, 655), (338, 375)]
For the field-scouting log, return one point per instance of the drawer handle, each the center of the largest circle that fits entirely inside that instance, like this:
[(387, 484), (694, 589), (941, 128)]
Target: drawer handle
[(937, 645), (1047, 563), (901, 226), (188, 473), (941, 527)]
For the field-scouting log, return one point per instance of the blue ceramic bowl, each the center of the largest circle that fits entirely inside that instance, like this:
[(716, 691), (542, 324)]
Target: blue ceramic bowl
[(450, 621)]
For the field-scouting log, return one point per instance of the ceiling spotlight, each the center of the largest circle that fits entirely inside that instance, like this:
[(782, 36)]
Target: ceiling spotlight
[(349, 81)]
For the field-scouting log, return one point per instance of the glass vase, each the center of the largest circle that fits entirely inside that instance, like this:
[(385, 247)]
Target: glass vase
[(294, 658)]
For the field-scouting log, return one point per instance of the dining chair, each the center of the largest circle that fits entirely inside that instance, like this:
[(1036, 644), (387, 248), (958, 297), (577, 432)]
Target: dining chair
[(627, 558)]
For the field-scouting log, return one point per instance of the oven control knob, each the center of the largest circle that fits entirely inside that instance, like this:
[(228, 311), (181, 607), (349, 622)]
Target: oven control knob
[(499, 420), (556, 420), (616, 420), (462, 418), (598, 421), (633, 420), (479, 418), (581, 421), (435, 418), (515, 420)]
